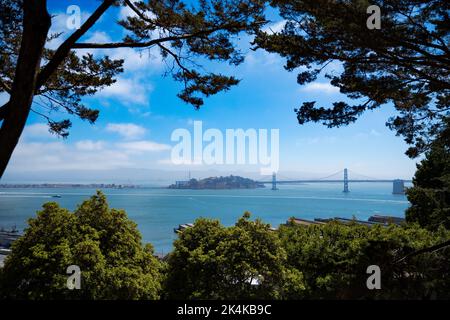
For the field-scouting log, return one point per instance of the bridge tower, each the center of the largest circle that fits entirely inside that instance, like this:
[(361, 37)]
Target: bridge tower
[(346, 181), (274, 181)]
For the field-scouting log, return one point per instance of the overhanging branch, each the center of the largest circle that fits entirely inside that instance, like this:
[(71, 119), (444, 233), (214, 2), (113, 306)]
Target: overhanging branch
[(425, 250), (64, 49), (141, 44), (5, 86), (137, 11), (176, 58)]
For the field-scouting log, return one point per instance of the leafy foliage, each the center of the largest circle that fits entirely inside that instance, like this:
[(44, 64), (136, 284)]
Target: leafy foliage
[(103, 242), (75, 77), (205, 29), (210, 261), (333, 259), (213, 262), (430, 195), (406, 62), (10, 23)]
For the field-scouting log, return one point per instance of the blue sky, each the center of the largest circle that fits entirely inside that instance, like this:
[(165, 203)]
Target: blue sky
[(140, 111)]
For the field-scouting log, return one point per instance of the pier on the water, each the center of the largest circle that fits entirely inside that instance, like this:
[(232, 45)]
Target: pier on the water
[(7, 237), (373, 220)]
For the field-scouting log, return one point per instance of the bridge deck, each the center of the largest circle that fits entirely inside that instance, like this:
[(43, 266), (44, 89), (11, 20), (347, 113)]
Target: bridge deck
[(318, 181)]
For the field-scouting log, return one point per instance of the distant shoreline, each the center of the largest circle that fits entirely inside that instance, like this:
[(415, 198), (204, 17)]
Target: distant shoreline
[(69, 185)]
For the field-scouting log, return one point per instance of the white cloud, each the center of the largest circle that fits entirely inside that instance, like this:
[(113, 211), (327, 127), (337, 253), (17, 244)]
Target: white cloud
[(134, 59), (99, 37), (133, 87), (36, 156), (143, 146), (261, 59), (84, 155), (275, 27), (333, 68), (89, 145), (127, 130), (37, 130), (126, 11), (323, 87), (137, 60), (128, 91)]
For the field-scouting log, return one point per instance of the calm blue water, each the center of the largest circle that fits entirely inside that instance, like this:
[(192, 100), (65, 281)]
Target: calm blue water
[(158, 211)]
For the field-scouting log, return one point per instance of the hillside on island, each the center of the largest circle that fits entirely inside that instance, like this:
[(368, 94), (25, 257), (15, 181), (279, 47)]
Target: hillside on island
[(230, 182)]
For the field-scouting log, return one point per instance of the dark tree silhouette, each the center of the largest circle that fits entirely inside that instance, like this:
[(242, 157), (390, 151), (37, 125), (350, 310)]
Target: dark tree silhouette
[(406, 62), (430, 194)]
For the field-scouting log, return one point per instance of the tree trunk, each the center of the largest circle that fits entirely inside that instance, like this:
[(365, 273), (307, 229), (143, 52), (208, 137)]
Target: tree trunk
[(36, 23)]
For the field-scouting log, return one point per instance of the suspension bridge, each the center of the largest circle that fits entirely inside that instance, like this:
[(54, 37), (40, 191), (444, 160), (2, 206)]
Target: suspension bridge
[(344, 176)]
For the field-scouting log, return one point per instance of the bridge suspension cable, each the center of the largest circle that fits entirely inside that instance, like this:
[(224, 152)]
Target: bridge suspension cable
[(361, 175), (339, 174), (285, 178), (334, 174)]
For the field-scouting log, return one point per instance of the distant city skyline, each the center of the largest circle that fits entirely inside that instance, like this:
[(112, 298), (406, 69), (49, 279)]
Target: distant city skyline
[(140, 111)]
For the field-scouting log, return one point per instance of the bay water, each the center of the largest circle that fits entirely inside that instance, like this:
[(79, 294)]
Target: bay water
[(157, 211)]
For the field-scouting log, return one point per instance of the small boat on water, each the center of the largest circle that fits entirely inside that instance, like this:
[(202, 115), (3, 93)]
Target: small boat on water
[(56, 196)]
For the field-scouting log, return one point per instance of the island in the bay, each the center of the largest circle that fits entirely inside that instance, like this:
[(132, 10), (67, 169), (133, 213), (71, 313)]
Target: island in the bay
[(230, 182)]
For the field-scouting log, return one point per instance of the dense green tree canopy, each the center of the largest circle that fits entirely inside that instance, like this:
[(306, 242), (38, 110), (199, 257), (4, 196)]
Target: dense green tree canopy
[(333, 259), (406, 62), (245, 261), (430, 194), (103, 242)]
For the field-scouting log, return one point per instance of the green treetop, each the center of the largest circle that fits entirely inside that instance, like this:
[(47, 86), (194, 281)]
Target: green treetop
[(334, 258), (245, 261), (430, 195), (103, 242)]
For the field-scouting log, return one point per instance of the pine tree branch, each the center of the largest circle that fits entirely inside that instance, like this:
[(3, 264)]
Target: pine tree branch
[(5, 86), (137, 11), (64, 49), (145, 44), (425, 250), (176, 58)]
